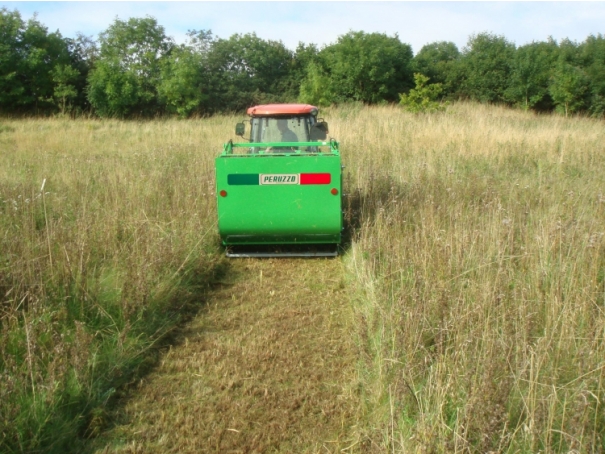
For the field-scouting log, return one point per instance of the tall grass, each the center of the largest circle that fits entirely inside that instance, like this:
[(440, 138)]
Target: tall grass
[(478, 273), (107, 239), (476, 268)]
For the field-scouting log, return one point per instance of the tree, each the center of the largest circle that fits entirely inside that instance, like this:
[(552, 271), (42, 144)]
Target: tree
[(182, 86), (316, 87), (245, 70), (200, 41), (486, 67), (28, 55), (568, 87), (114, 92), (531, 69), (127, 73), (304, 55), (11, 87), (423, 98), (569, 84), (367, 67), (592, 54), (437, 61), (64, 77), (84, 53)]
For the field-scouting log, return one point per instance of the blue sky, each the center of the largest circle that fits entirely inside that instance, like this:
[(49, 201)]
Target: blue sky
[(416, 23)]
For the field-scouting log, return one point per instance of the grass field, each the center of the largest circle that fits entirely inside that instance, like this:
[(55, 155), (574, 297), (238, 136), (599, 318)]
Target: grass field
[(475, 273), (478, 270), (107, 243)]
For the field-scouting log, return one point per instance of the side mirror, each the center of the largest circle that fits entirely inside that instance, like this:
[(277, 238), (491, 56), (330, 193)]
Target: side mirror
[(240, 129), (319, 131)]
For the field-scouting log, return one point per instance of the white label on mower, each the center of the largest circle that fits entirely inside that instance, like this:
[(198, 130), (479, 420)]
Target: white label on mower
[(279, 178)]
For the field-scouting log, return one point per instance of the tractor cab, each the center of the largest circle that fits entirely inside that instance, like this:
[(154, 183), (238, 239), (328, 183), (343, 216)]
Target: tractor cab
[(282, 188), (283, 123)]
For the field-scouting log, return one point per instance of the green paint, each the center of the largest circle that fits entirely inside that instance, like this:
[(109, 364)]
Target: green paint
[(278, 213), (244, 179)]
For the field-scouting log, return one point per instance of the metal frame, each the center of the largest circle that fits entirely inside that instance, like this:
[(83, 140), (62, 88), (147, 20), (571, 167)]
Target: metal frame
[(229, 146), (285, 250), (281, 254)]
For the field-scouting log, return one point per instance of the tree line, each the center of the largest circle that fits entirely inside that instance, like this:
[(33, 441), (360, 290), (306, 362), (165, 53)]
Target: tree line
[(135, 70)]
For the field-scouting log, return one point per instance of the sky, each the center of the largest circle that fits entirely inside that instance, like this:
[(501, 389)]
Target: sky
[(321, 23)]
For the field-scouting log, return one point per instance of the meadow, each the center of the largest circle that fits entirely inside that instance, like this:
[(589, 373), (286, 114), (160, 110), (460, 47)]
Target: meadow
[(474, 266), (107, 245), (478, 271)]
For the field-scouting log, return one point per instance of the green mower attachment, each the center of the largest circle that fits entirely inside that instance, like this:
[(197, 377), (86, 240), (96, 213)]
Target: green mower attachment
[(280, 198)]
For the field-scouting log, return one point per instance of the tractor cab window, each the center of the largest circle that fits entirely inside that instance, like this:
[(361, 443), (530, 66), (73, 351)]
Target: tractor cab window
[(285, 129)]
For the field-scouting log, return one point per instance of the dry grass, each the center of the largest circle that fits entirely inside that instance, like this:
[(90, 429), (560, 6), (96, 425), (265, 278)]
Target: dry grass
[(476, 275), (478, 270), (267, 367), (107, 237)]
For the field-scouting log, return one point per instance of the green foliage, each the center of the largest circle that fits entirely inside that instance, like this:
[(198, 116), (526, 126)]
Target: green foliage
[(134, 69), (181, 87), (592, 54), (437, 61), (304, 55), (531, 70), (315, 88), (423, 97), (568, 88), (126, 76), (367, 67), (28, 55), (568, 84), (487, 62), (246, 70), (65, 91), (11, 28), (83, 52), (114, 92)]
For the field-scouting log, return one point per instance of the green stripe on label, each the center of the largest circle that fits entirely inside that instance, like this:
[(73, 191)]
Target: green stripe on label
[(242, 179)]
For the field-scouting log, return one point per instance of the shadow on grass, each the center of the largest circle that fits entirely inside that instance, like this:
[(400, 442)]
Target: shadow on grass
[(186, 301), (361, 205)]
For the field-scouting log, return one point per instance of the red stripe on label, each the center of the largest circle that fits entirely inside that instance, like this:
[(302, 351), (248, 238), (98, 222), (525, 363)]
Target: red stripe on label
[(315, 178)]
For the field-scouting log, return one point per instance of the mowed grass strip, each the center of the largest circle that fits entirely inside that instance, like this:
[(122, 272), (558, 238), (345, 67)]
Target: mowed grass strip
[(268, 366)]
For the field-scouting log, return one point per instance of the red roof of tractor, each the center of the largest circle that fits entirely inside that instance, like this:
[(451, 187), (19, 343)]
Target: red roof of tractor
[(270, 110)]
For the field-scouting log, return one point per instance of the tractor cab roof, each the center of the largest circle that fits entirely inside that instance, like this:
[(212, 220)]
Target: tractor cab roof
[(274, 110)]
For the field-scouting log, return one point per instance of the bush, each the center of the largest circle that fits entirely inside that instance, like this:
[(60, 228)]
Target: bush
[(423, 97)]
